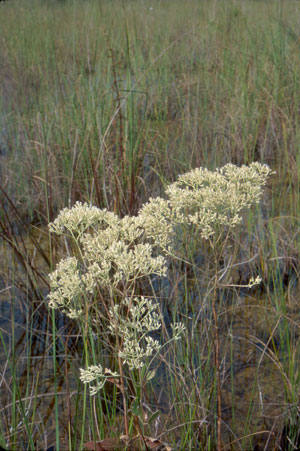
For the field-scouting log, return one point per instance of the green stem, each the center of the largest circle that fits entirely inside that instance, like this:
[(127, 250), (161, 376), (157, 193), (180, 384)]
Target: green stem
[(55, 382)]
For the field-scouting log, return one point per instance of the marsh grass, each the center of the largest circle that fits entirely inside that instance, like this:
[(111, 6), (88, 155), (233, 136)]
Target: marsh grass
[(108, 102)]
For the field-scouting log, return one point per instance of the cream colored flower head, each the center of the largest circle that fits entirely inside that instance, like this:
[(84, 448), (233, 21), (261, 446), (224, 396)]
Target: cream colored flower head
[(142, 318), (67, 288), (81, 217), (115, 251), (208, 200), (120, 253), (96, 377)]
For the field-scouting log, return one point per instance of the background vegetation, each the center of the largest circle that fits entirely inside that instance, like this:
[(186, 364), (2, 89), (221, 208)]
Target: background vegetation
[(107, 102)]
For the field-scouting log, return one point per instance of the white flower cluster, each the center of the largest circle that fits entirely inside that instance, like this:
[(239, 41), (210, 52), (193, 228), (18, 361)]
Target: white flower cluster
[(177, 329), (116, 255), (67, 288), (118, 250), (158, 221), (79, 218), (133, 320), (114, 251), (253, 282), (95, 373), (208, 200)]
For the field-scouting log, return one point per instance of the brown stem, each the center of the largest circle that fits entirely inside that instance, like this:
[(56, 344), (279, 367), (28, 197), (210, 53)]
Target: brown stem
[(140, 432), (217, 361)]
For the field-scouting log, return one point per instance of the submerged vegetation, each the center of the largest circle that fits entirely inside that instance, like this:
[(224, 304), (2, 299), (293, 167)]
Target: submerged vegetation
[(174, 298)]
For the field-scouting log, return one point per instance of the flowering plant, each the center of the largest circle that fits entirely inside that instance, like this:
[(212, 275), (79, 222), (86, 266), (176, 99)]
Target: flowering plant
[(108, 255)]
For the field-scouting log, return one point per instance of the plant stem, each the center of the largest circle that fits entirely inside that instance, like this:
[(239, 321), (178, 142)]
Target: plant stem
[(217, 360), (123, 393)]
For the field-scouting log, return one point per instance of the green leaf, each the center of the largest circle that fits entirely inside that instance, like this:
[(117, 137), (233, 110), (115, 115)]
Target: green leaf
[(153, 417), (150, 375), (136, 408)]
